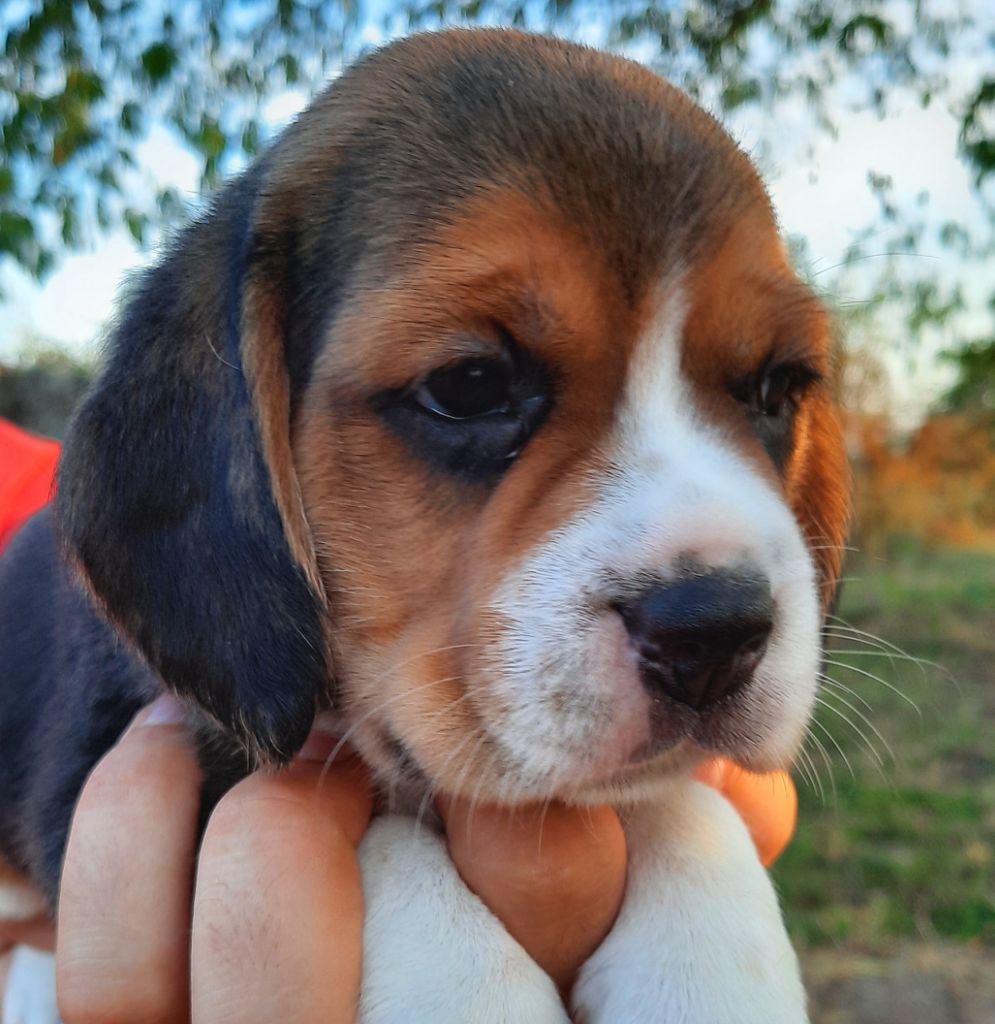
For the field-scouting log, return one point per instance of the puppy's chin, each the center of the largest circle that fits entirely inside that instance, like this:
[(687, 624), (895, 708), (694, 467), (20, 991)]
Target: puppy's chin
[(587, 733)]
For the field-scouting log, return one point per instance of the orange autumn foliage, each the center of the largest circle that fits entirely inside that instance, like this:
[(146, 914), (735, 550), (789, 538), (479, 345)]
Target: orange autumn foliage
[(937, 489)]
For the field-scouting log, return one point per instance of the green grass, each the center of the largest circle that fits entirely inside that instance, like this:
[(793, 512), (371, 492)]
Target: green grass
[(902, 842)]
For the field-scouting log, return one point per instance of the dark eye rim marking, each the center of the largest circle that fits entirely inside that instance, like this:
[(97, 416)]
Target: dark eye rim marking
[(772, 397), (480, 439), (777, 388)]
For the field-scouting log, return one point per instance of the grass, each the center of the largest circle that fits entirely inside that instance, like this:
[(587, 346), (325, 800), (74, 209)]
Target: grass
[(896, 838)]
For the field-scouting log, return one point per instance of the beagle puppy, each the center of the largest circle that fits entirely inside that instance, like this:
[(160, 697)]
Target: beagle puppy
[(484, 416)]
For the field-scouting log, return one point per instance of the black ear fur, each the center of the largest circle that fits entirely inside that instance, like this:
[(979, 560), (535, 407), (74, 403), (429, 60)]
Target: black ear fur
[(167, 499)]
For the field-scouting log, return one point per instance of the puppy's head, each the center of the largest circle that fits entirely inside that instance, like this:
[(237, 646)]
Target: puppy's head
[(489, 394)]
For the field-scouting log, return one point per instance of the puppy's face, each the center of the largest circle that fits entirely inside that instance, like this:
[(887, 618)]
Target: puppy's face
[(572, 538), (545, 418), (572, 471)]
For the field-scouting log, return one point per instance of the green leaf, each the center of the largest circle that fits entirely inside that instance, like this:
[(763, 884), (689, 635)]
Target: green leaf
[(85, 86), (291, 69), (15, 231), (131, 118), (250, 138), (69, 223), (136, 224), (158, 62), (210, 139), (977, 132), (735, 94), (864, 28)]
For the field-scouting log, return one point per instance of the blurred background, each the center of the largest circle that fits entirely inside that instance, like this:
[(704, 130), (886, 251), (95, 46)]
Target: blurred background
[(873, 122)]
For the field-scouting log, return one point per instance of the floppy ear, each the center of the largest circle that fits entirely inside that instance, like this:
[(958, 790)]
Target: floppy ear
[(819, 490), (177, 495)]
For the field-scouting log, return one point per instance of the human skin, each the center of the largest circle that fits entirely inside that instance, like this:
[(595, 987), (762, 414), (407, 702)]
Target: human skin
[(279, 851)]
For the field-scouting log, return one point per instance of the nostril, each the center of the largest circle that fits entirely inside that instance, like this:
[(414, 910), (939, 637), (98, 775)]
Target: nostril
[(688, 650), (678, 653), (701, 638), (757, 644)]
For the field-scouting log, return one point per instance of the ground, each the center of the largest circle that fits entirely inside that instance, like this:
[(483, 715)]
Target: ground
[(889, 884)]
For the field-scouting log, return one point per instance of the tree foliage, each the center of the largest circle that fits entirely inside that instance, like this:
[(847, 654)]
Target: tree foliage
[(83, 81), (40, 390), (974, 391)]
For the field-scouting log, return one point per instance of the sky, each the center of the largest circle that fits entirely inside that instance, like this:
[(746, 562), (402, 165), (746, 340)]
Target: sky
[(818, 184)]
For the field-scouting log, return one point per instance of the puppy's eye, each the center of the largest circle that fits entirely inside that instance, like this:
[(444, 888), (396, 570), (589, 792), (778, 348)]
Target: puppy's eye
[(474, 387), (776, 390), (781, 385), (771, 398), (473, 418)]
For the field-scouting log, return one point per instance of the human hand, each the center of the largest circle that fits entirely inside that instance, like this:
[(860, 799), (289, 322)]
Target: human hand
[(276, 923), (553, 875), (278, 913)]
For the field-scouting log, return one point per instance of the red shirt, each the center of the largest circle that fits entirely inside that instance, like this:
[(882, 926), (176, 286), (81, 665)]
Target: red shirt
[(27, 476)]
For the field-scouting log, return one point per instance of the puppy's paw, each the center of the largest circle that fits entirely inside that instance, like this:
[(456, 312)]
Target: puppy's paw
[(699, 938), (432, 952), (29, 997)]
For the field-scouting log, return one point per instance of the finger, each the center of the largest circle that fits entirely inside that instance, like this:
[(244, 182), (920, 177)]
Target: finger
[(278, 914), (124, 909), (767, 803), (553, 874)]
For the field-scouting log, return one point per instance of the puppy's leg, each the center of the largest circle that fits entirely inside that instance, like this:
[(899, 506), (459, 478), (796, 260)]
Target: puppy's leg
[(29, 997), (699, 938), (432, 952)]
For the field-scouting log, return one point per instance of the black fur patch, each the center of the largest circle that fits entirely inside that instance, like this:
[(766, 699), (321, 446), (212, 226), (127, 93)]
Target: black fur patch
[(165, 500)]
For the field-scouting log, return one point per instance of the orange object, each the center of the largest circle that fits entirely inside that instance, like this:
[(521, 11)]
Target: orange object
[(767, 803), (27, 471)]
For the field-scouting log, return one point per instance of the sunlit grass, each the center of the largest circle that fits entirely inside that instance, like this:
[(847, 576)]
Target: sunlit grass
[(905, 845)]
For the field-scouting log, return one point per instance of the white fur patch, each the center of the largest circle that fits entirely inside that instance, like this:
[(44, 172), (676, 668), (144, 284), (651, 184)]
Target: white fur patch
[(677, 490), (19, 901), (699, 938), (432, 952), (29, 997)]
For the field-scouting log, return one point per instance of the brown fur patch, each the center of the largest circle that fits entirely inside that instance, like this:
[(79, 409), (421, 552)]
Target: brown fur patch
[(266, 371)]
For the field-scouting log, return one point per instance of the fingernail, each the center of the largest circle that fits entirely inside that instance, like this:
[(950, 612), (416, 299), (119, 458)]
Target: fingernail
[(165, 710), (319, 746)]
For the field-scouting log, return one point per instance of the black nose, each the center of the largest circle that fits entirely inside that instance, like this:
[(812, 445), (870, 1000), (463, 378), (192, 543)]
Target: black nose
[(699, 639)]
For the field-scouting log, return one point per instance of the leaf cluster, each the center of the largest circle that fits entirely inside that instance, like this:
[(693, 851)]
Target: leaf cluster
[(83, 82)]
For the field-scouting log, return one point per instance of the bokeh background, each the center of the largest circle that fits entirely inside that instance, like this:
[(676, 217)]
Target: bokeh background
[(874, 123)]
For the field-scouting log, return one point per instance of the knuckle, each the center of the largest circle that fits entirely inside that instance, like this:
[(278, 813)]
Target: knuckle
[(266, 818), (140, 767)]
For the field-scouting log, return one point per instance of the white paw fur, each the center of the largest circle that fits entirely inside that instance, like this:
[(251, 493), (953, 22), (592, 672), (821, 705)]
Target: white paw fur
[(432, 952), (699, 938), (29, 996)]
